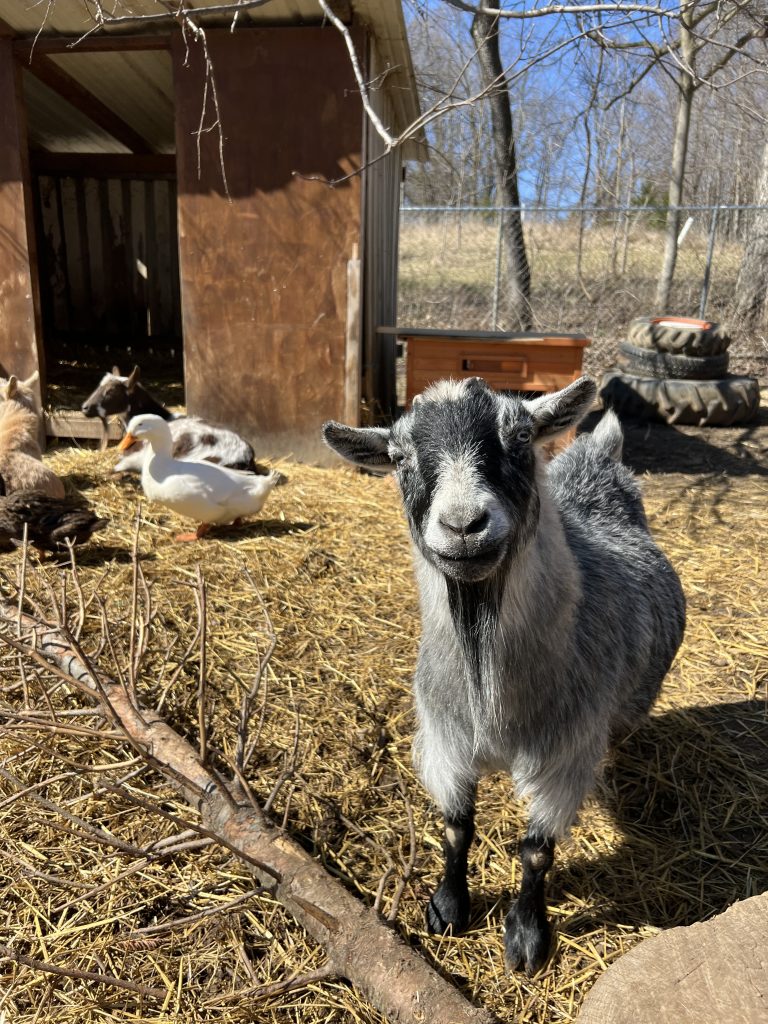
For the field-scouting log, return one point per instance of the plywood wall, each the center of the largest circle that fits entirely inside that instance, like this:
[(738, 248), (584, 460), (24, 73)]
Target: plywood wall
[(265, 256), (108, 258), (19, 300)]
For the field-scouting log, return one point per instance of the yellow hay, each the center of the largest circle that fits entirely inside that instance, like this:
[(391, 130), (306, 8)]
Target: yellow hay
[(676, 832)]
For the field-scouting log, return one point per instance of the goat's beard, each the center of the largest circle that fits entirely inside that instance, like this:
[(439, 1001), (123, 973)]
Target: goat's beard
[(475, 609)]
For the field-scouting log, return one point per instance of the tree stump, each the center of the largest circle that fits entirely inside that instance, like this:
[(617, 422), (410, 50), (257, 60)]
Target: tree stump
[(714, 972)]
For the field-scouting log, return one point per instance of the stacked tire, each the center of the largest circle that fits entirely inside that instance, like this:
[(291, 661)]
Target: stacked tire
[(676, 368)]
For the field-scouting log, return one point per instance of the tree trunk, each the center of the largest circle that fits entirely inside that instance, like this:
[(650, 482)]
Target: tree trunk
[(752, 284), (687, 88), (582, 202), (617, 188), (485, 32)]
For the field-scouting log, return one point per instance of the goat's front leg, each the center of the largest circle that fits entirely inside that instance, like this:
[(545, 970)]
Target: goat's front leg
[(526, 934), (449, 905)]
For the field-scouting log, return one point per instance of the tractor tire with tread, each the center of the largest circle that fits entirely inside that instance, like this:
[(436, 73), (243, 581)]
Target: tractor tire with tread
[(647, 362), (679, 335), (701, 403)]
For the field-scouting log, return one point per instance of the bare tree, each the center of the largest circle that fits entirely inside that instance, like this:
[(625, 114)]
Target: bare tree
[(485, 32), (459, 170), (686, 87), (752, 283)]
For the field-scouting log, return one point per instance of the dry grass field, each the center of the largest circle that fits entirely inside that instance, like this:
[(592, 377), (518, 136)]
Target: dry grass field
[(447, 272), (101, 869)]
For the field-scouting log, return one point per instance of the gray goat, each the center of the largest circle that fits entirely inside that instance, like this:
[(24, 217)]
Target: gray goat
[(550, 617)]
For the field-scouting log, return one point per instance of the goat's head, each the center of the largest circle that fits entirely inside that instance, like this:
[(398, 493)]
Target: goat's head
[(112, 396), (465, 461)]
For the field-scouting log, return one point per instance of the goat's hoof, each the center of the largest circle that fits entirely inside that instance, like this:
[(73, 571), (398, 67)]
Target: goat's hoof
[(448, 909), (527, 942)]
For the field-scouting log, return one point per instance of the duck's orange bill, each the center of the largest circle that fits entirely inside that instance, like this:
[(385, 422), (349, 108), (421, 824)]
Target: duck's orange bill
[(126, 443)]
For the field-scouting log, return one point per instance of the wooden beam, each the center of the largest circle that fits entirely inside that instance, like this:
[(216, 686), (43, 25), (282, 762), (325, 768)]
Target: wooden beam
[(114, 43), (62, 83), (66, 423), (104, 165), (21, 346)]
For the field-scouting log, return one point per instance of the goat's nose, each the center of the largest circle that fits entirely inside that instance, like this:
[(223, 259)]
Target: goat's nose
[(463, 525)]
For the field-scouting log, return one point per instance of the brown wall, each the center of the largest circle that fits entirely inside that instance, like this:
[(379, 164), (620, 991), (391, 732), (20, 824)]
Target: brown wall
[(19, 300), (264, 270)]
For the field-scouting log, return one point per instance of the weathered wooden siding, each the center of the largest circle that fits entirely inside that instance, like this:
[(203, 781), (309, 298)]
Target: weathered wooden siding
[(382, 203), (108, 257), (265, 260), (19, 301)]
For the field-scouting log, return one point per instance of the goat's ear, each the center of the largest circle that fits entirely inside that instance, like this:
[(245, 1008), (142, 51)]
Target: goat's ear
[(554, 414), (609, 436), (363, 446), (12, 386), (133, 379)]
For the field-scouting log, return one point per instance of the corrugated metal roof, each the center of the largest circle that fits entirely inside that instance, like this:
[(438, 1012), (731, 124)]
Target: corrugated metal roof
[(138, 85), (54, 124)]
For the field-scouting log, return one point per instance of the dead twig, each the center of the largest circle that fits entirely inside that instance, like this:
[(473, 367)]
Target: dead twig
[(6, 953), (260, 993)]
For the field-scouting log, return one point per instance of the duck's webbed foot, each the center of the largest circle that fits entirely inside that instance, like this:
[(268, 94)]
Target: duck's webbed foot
[(200, 532)]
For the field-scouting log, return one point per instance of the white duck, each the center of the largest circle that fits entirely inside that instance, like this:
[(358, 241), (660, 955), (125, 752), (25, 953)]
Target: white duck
[(198, 490)]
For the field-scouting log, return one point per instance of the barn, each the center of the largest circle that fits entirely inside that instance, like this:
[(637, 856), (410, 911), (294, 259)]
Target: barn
[(213, 205)]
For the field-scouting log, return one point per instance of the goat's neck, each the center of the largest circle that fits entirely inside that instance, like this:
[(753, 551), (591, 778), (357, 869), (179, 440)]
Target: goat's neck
[(140, 401), (542, 583), (511, 630)]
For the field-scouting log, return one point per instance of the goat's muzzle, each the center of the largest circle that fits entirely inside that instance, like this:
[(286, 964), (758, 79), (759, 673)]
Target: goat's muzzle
[(469, 565)]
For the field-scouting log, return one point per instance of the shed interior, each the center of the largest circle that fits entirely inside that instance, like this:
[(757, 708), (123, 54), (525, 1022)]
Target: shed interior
[(100, 127)]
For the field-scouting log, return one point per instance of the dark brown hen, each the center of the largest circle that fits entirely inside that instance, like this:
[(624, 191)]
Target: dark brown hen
[(49, 521)]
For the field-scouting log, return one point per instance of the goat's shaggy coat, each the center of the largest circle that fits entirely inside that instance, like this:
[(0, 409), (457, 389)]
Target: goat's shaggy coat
[(550, 617), (21, 458)]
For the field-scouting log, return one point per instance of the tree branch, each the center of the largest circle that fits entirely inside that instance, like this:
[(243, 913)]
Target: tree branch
[(359, 945)]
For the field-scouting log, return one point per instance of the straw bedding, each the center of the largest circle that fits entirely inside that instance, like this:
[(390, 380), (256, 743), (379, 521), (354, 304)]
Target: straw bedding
[(100, 867)]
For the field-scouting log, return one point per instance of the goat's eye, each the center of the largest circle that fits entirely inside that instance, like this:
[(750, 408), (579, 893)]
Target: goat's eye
[(523, 436), (397, 456)]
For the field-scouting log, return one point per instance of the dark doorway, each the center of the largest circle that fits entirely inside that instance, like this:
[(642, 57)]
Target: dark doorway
[(109, 279)]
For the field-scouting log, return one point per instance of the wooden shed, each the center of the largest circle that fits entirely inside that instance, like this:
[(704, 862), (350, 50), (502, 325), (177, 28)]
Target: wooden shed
[(194, 205)]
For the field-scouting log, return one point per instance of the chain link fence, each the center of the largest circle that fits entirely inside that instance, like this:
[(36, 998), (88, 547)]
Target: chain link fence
[(592, 269)]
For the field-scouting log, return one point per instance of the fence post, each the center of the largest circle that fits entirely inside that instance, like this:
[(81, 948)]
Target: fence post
[(708, 265), (497, 275)]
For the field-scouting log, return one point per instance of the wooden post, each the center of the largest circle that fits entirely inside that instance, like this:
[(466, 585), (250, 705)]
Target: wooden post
[(352, 358), (21, 350)]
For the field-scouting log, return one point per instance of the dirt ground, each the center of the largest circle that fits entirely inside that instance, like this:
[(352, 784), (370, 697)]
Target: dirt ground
[(661, 449)]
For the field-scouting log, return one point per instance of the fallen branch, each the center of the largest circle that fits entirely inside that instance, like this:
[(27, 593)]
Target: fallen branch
[(6, 953), (359, 945)]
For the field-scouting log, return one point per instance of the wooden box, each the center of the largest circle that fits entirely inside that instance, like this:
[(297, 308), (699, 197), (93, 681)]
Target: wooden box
[(508, 362)]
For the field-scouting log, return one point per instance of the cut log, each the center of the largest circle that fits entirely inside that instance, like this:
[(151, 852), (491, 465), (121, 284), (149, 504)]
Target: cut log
[(708, 973)]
